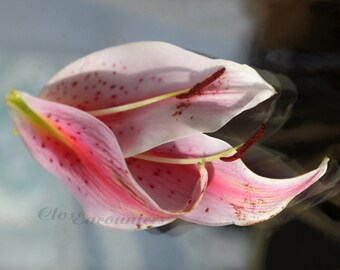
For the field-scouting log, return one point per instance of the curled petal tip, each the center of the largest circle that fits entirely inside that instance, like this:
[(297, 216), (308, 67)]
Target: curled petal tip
[(13, 97), (236, 195), (325, 161)]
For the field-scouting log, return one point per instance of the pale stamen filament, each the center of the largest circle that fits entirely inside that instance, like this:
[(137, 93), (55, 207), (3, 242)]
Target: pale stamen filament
[(181, 94), (137, 104), (186, 161)]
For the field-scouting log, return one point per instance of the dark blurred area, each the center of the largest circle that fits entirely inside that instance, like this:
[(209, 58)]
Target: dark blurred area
[(301, 40)]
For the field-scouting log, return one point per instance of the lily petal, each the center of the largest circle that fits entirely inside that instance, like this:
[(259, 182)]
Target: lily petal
[(138, 71), (81, 151), (235, 194), (173, 187)]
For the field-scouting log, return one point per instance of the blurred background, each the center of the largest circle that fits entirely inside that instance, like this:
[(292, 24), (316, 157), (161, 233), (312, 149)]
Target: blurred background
[(293, 44)]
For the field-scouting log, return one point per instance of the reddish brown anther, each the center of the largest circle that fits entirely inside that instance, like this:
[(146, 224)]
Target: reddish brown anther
[(244, 148), (199, 86)]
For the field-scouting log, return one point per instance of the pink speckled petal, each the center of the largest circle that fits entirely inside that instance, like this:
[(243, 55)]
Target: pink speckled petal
[(236, 195), (82, 152), (137, 71), (171, 186)]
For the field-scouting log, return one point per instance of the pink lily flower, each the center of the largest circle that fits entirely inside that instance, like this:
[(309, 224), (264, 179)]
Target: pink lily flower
[(124, 127)]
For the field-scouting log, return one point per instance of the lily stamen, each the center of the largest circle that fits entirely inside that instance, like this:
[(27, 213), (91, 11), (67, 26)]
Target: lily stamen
[(181, 94), (245, 147), (240, 150), (187, 161), (135, 105), (196, 89)]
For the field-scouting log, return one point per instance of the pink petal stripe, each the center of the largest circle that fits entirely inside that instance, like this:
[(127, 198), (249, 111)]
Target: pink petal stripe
[(94, 170)]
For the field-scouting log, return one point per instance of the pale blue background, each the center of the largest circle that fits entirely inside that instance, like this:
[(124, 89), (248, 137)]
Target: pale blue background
[(37, 38)]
